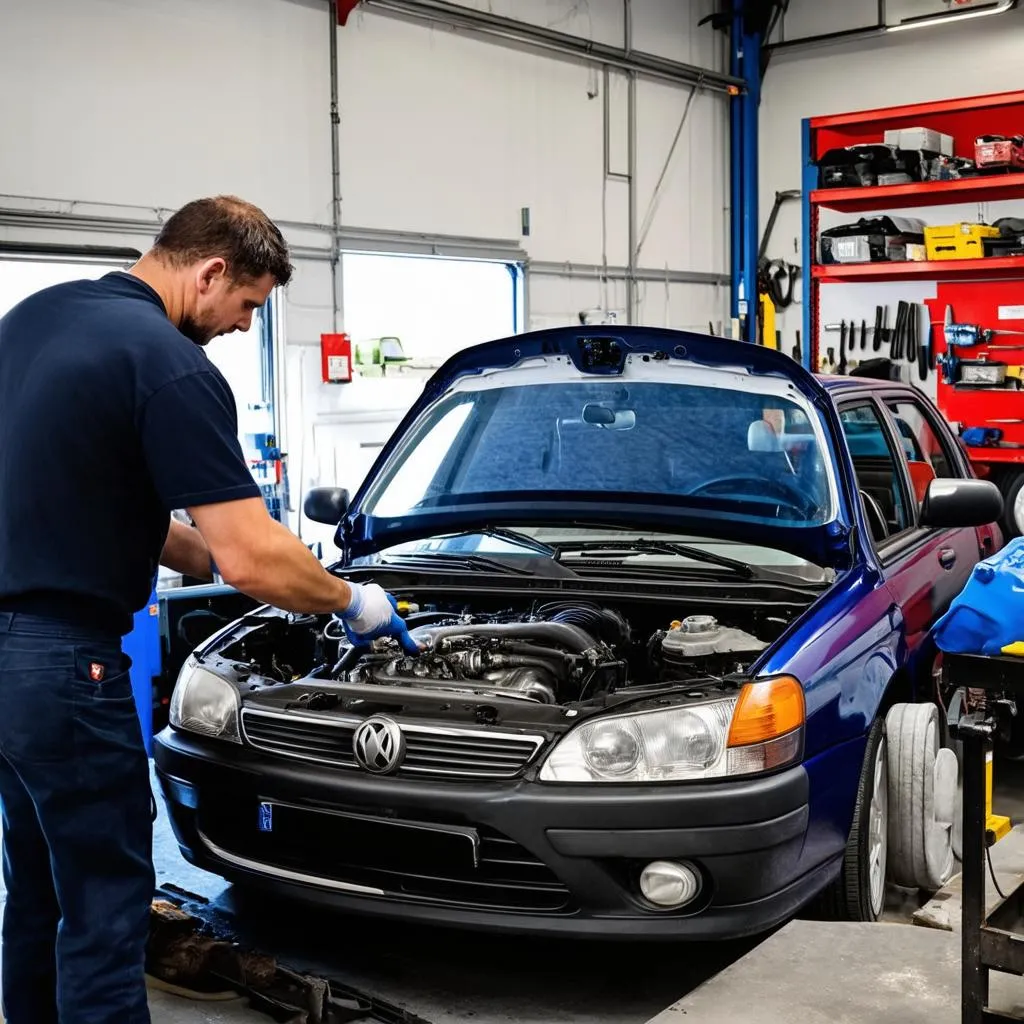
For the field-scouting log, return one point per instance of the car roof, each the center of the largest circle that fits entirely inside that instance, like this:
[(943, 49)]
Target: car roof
[(836, 382)]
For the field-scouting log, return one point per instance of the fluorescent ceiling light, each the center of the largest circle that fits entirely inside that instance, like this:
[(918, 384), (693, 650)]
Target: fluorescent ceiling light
[(945, 19)]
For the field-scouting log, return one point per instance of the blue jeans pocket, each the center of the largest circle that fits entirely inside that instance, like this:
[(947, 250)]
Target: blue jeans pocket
[(102, 673), (36, 699)]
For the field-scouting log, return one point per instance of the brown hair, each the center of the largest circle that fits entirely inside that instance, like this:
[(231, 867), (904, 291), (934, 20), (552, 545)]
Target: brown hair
[(242, 234)]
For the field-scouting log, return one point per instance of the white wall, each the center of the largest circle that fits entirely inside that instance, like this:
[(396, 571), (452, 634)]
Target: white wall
[(131, 107), (970, 57)]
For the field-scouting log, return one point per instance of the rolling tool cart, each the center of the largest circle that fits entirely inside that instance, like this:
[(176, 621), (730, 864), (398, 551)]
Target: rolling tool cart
[(983, 661), (993, 942)]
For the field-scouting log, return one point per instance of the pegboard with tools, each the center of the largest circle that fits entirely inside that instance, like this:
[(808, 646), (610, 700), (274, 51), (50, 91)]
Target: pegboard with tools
[(978, 332)]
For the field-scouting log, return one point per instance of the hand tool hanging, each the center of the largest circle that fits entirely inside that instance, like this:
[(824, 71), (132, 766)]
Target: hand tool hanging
[(924, 358), (896, 346), (842, 348)]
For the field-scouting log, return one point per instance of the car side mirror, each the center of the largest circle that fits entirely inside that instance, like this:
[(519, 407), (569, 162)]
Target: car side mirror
[(952, 503), (326, 505)]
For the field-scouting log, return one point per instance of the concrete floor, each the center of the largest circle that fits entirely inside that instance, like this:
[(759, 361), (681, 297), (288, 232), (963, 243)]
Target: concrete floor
[(450, 976), (438, 975)]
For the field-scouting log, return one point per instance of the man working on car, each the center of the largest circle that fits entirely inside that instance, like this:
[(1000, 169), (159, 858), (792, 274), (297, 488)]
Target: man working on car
[(111, 416)]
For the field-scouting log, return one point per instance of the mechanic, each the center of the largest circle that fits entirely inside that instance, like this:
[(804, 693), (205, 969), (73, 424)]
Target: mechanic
[(112, 415)]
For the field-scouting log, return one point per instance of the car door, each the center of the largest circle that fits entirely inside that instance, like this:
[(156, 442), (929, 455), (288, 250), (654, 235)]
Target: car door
[(923, 568), (926, 568)]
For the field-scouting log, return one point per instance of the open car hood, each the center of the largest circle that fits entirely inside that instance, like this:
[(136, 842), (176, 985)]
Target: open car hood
[(690, 439)]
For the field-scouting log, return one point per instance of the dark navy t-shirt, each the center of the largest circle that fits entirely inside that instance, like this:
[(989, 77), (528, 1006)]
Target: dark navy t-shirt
[(109, 419)]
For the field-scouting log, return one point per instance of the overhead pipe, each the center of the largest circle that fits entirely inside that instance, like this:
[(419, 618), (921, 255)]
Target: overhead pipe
[(551, 268), (537, 37), (336, 286), (631, 147)]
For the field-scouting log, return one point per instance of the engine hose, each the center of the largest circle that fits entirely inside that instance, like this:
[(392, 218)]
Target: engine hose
[(523, 661), (347, 660), (553, 632), (518, 647), (416, 619), (653, 646)]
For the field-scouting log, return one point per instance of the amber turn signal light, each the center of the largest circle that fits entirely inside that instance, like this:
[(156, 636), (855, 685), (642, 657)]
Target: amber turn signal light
[(767, 709)]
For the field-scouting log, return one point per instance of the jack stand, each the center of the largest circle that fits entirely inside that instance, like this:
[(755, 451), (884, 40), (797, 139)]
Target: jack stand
[(995, 941)]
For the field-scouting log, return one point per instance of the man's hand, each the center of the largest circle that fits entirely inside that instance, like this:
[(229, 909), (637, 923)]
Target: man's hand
[(373, 613)]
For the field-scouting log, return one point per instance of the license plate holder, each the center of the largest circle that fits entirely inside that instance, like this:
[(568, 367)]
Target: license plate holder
[(390, 844)]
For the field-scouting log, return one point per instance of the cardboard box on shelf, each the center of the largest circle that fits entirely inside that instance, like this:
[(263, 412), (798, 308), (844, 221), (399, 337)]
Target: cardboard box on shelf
[(926, 139)]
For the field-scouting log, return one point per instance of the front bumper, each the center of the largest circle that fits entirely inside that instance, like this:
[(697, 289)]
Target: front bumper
[(548, 860)]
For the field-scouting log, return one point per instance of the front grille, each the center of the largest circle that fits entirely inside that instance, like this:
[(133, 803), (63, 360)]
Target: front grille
[(444, 752), (332, 847)]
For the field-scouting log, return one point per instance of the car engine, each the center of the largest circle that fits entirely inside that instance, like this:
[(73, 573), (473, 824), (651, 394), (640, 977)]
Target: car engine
[(555, 654)]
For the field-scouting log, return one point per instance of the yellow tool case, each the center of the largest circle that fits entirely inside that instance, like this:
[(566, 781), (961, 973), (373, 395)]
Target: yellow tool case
[(957, 241)]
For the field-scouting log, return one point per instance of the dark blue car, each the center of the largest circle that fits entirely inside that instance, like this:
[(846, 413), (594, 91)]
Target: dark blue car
[(674, 597)]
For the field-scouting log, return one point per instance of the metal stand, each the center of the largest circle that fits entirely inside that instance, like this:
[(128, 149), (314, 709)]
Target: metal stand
[(994, 942)]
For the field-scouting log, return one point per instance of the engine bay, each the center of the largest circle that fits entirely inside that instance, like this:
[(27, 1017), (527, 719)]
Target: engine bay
[(556, 653)]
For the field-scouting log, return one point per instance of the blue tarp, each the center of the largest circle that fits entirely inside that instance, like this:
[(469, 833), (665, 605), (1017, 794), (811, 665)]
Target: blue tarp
[(987, 616)]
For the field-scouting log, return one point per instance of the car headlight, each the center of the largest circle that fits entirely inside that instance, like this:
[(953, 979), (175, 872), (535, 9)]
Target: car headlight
[(760, 729), (205, 702)]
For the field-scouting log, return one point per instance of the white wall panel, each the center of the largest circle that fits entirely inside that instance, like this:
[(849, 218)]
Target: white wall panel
[(153, 103), (689, 228), (459, 135)]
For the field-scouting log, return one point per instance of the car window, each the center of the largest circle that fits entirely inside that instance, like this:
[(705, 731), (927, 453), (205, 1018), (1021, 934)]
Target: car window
[(721, 444), (913, 422), (879, 479)]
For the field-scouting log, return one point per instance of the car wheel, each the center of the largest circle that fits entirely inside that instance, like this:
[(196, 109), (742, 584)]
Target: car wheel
[(858, 894), (923, 778), (1012, 486)]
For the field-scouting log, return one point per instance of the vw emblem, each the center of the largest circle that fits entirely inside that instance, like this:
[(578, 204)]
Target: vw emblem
[(379, 745)]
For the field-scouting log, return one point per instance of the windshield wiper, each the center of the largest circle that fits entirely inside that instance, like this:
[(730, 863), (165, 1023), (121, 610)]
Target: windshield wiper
[(523, 540), (612, 549), (452, 558)]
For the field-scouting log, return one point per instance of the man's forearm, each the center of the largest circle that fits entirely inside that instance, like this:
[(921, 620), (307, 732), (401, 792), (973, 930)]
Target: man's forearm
[(264, 559), (287, 575), (185, 551)]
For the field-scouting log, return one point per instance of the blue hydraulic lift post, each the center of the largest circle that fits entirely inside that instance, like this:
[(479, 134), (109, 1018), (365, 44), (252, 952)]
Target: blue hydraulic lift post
[(735, 165), (745, 62), (751, 227)]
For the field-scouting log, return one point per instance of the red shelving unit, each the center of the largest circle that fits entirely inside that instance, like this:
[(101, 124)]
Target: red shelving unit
[(976, 289), (994, 268), (931, 193)]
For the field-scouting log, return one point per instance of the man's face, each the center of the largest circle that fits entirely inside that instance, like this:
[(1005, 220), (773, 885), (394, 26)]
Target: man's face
[(223, 304)]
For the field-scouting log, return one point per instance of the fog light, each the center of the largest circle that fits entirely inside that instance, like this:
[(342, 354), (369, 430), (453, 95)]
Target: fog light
[(668, 884)]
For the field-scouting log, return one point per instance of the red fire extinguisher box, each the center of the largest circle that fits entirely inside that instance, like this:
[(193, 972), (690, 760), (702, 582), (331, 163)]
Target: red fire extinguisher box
[(336, 358)]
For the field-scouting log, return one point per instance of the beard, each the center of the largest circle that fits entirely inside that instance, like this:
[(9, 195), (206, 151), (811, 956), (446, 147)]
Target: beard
[(198, 330)]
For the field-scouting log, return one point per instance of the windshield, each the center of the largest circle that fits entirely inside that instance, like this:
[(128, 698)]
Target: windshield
[(735, 444)]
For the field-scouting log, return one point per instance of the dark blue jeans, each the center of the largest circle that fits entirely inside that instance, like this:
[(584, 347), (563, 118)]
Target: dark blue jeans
[(77, 828)]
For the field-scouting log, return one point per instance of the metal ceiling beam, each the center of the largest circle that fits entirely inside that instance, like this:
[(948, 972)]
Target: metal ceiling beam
[(536, 37), (542, 268)]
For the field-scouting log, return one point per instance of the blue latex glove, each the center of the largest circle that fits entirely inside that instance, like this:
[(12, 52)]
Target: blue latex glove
[(986, 616), (373, 613)]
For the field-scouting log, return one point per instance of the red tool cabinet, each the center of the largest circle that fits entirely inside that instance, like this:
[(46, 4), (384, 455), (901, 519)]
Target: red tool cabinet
[(976, 289)]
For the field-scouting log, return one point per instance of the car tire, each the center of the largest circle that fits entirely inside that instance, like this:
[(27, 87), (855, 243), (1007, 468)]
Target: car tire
[(858, 894), (923, 777), (1012, 522)]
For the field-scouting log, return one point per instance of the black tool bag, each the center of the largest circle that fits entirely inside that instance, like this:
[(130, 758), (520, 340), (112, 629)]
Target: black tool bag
[(871, 239), (862, 164)]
